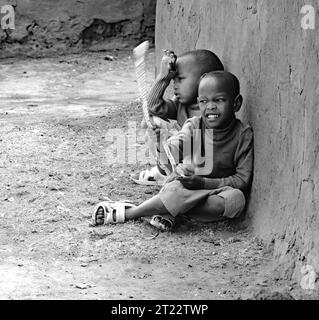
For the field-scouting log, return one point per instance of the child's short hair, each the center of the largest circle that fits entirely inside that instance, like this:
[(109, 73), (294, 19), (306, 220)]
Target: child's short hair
[(206, 60), (230, 78)]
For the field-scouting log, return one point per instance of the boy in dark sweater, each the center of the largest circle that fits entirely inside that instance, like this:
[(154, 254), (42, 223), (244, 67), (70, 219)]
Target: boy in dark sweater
[(211, 181)]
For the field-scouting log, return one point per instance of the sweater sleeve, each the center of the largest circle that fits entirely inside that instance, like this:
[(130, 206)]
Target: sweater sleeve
[(157, 105), (244, 158)]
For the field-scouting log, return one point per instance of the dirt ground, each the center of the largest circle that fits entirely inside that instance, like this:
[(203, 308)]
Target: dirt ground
[(55, 114)]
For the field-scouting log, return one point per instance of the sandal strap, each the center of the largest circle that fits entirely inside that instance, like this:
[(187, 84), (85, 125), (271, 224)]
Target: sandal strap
[(119, 207), (114, 211), (117, 213)]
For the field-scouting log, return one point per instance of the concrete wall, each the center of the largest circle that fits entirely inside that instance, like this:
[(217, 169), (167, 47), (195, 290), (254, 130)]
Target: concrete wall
[(60, 26), (277, 62)]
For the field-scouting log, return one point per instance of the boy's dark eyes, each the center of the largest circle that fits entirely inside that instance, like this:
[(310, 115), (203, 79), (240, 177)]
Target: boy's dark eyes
[(214, 100)]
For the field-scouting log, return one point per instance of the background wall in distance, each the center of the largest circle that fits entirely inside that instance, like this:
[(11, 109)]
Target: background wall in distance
[(45, 27)]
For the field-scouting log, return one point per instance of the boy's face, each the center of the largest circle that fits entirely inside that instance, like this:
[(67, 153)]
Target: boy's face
[(186, 80), (216, 102)]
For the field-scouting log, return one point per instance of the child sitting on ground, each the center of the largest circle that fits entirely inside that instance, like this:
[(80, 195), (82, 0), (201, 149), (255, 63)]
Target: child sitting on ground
[(221, 163), (186, 71)]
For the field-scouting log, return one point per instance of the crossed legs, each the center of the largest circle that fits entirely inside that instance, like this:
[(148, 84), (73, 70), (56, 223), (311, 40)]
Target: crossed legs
[(213, 207)]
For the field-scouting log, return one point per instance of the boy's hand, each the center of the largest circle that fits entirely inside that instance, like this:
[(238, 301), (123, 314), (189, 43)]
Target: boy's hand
[(192, 182), (178, 173), (168, 64), (185, 169), (173, 176)]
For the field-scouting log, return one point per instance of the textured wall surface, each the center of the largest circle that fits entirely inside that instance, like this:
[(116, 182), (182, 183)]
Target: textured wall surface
[(60, 26), (277, 62)]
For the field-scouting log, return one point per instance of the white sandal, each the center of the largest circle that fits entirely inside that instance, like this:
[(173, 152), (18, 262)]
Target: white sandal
[(164, 222), (150, 177), (114, 211)]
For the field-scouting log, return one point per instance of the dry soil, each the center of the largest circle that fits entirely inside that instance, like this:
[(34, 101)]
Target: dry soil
[(55, 115)]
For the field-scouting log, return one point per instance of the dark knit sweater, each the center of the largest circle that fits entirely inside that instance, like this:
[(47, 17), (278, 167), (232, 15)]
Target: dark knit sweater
[(223, 157)]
